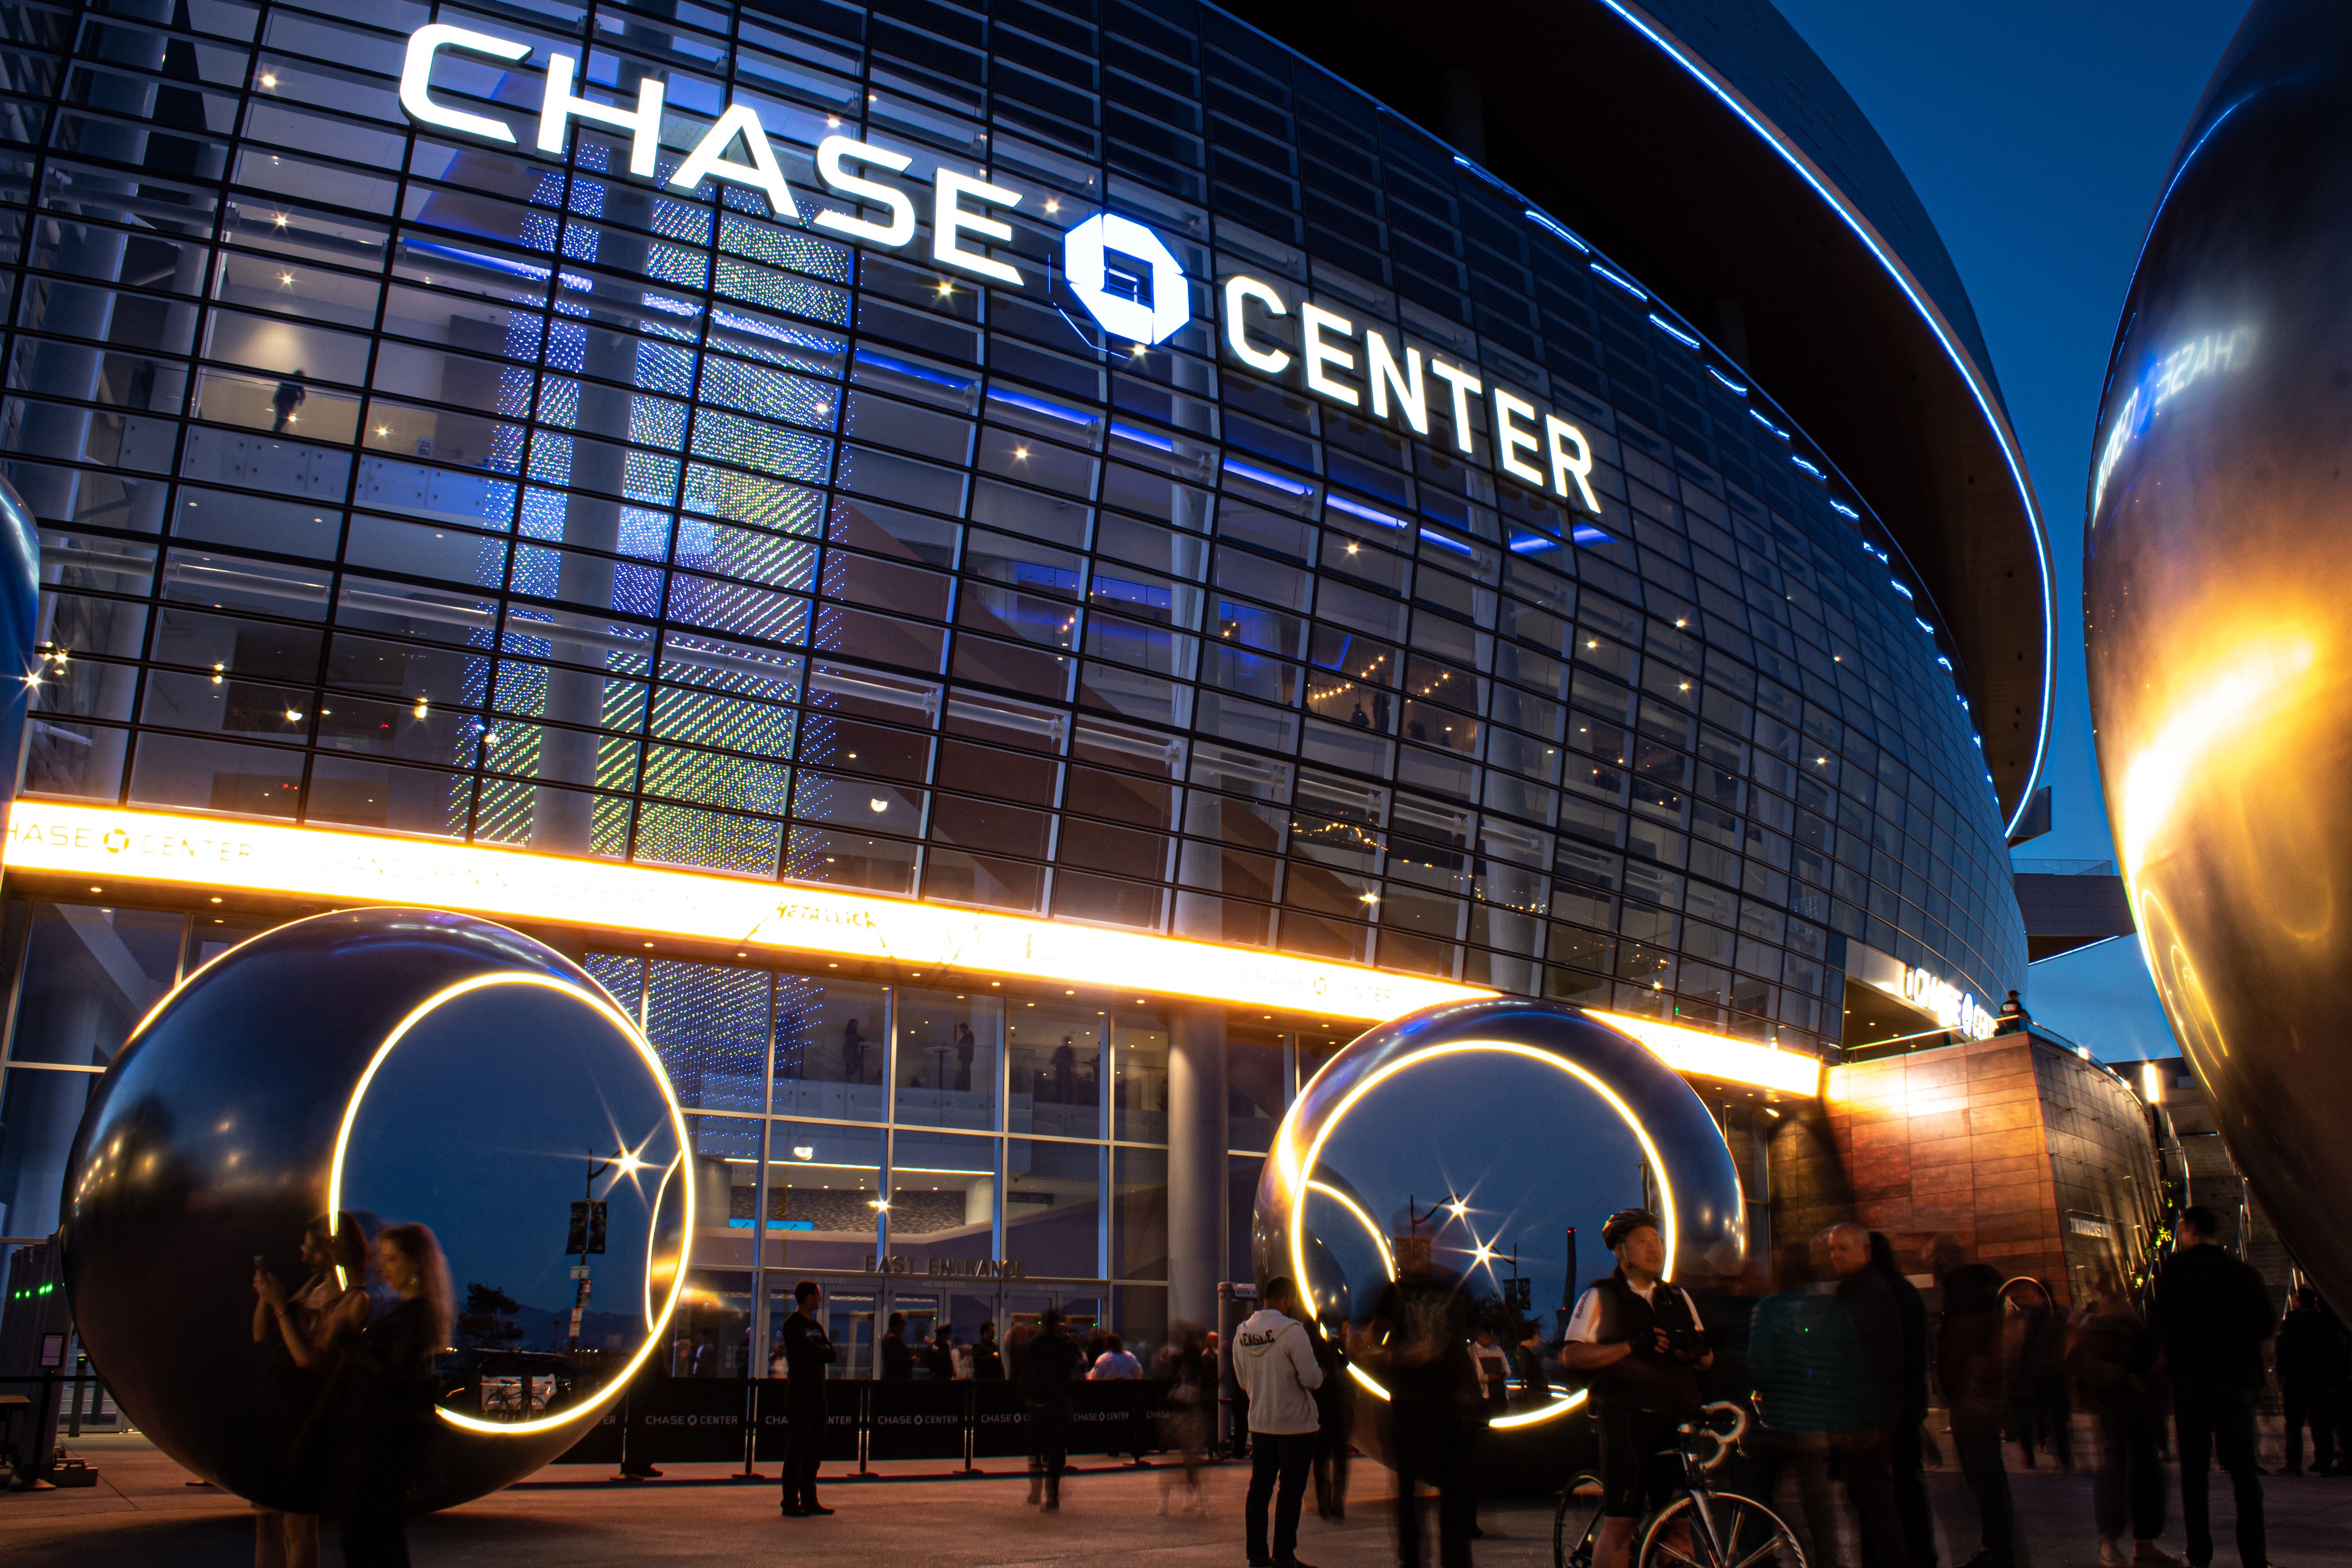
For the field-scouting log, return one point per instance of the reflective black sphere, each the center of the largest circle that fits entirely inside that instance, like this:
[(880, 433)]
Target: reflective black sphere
[(20, 610), (1491, 1128), (403, 1064), (2218, 541)]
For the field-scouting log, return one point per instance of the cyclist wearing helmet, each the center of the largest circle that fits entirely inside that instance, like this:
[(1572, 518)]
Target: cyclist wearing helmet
[(1639, 1342)]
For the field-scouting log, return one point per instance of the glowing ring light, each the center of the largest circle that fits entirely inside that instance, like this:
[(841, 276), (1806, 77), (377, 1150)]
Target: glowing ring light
[(653, 1235), (1698, 1184), (603, 1005), (223, 1128)]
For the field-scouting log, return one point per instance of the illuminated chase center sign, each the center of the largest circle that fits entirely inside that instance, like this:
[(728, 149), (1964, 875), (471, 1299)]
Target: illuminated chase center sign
[(1124, 275)]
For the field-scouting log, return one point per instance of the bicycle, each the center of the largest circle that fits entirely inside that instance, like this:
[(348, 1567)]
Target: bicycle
[(1724, 1529)]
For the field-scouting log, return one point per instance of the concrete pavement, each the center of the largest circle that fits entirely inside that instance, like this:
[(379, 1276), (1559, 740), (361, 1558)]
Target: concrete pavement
[(143, 1512)]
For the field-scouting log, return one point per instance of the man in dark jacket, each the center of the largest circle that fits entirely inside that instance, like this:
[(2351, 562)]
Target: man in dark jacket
[(1968, 1364), (807, 1352), (1048, 1368), (2214, 1313), (1903, 1454), (1878, 1328), (2311, 1368)]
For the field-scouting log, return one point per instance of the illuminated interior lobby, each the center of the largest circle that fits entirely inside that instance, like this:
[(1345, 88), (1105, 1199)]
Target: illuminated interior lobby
[(1000, 714)]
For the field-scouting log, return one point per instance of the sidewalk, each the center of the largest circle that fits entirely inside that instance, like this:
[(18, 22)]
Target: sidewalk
[(143, 1512)]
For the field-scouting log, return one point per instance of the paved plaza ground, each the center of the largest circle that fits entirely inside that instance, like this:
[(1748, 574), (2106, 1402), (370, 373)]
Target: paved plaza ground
[(143, 1512)]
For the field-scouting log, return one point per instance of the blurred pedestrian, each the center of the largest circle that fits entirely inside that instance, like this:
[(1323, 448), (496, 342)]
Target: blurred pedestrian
[(1805, 1363), (2311, 1367), (2040, 1412), (310, 1328), (1863, 1290), (1903, 1445), (1335, 1417), (807, 1353), (2214, 1312), (987, 1355), (1274, 1361), (1048, 1366), (387, 1373), (2109, 1356), (1183, 1361), (939, 1357), (1970, 1368), (1417, 1342)]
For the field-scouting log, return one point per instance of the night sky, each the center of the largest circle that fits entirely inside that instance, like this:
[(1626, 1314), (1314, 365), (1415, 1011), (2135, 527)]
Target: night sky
[(479, 1124), (2038, 136)]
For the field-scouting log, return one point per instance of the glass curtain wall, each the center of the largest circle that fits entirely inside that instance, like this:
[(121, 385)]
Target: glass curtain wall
[(396, 480), (800, 1169)]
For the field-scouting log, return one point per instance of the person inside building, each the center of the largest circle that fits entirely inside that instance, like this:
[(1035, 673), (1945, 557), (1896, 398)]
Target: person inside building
[(898, 1360), (2312, 1366), (1641, 1342), (987, 1355), (807, 1352), (2213, 1313), (1274, 1363), (1970, 1370), (1116, 1364)]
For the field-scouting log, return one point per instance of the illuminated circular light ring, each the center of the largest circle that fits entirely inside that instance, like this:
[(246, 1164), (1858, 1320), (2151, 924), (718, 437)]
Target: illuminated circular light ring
[(1388, 1259), (629, 1032), (1298, 1237), (686, 1241)]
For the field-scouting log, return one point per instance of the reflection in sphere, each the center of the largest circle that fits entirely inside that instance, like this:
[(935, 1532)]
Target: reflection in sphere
[(20, 606), (2215, 550), (400, 1065), (1489, 1130)]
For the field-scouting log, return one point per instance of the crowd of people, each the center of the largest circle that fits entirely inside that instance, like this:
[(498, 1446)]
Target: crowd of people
[(1839, 1363), (1836, 1365)]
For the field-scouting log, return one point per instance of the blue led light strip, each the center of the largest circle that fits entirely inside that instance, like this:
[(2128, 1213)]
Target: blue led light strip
[(2010, 454)]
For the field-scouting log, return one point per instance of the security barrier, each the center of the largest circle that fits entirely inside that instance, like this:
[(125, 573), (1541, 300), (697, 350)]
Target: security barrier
[(706, 1420)]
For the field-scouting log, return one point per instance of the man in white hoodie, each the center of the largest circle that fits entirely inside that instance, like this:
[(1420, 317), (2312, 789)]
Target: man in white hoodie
[(1274, 1361)]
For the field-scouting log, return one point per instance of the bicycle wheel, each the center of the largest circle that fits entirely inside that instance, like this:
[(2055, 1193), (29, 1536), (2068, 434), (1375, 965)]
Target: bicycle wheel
[(1576, 1523), (1747, 1535)]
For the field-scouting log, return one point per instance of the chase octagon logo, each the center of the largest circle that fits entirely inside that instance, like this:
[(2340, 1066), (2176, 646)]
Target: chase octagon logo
[(1127, 278)]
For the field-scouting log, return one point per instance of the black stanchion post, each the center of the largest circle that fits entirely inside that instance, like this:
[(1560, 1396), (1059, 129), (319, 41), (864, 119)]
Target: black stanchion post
[(750, 1471)]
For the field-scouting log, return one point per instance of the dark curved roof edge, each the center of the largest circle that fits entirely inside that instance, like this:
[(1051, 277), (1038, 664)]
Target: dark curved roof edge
[(1703, 143)]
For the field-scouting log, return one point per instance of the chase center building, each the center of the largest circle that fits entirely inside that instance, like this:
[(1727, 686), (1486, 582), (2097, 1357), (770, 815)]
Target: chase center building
[(1007, 578)]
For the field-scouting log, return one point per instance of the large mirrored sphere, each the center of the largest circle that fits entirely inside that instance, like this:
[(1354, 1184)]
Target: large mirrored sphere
[(2218, 545), (1502, 1133), (394, 1066), (21, 632)]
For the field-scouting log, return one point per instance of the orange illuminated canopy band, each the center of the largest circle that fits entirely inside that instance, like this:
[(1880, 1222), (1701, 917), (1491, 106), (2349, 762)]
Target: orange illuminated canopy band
[(104, 843)]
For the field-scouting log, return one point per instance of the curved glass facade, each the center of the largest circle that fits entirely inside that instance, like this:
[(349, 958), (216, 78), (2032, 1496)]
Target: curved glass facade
[(393, 477)]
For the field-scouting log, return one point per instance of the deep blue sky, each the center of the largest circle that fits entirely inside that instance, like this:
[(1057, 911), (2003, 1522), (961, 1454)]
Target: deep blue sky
[(2038, 135)]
